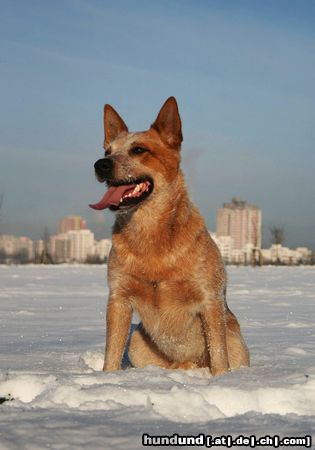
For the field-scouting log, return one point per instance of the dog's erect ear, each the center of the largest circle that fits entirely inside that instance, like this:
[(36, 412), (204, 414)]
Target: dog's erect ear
[(113, 125), (168, 123)]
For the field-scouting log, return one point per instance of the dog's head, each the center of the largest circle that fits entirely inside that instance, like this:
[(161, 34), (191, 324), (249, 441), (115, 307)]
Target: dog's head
[(138, 165)]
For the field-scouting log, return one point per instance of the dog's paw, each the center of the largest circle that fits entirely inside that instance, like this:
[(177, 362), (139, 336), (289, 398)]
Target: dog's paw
[(110, 368), (216, 372), (184, 365)]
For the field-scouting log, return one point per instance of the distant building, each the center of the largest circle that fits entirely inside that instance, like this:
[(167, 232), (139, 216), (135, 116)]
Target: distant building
[(102, 248), (24, 248), (74, 245), (7, 244), (39, 247), (229, 253), (81, 244), (305, 254), (71, 223), (225, 245), (60, 248), (19, 248), (242, 222), (277, 254)]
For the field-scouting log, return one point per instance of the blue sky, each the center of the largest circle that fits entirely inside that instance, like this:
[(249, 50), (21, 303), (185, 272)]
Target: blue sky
[(242, 72)]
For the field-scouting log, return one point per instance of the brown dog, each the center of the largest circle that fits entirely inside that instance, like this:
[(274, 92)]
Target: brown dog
[(163, 263)]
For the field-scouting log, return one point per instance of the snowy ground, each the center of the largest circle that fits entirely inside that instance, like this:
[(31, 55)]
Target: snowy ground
[(51, 352)]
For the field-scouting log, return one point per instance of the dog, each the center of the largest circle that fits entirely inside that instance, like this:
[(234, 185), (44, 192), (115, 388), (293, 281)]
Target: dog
[(163, 263)]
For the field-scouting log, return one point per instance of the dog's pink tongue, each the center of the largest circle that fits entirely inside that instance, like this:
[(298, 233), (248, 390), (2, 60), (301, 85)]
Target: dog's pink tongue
[(112, 196)]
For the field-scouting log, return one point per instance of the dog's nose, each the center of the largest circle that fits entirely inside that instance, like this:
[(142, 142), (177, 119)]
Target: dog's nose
[(103, 167)]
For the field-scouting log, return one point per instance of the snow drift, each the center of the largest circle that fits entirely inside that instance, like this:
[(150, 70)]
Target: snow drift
[(52, 333)]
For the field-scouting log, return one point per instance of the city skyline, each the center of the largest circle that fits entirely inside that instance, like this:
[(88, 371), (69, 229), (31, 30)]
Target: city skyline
[(262, 235), (242, 73), (237, 236)]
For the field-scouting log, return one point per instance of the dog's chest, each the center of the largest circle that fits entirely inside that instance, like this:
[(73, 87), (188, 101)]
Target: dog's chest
[(165, 296), (170, 306)]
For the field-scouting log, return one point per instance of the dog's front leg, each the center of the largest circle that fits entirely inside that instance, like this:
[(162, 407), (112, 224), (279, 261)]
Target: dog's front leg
[(214, 325), (119, 314)]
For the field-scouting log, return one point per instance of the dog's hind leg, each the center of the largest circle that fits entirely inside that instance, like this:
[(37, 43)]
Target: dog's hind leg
[(238, 353), (143, 352)]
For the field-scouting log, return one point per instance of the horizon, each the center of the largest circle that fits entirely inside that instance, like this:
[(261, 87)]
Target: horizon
[(243, 75), (47, 233)]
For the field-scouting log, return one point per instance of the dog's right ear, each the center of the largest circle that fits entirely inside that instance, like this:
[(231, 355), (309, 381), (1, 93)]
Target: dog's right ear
[(113, 125), (168, 123)]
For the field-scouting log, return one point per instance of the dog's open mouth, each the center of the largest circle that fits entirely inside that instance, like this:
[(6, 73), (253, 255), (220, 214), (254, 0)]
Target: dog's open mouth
[(125, 194)]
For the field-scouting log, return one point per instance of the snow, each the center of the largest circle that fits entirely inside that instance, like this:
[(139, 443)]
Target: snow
[(52, 328)]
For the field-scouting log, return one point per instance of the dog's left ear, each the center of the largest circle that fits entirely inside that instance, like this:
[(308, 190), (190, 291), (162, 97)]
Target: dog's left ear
[(168, 123), (113, 125)]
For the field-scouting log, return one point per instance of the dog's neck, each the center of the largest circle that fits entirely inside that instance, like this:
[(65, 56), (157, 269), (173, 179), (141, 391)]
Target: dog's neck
[(152, 226)]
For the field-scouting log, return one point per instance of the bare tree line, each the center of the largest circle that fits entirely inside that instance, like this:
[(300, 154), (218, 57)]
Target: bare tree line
[(277, 234)]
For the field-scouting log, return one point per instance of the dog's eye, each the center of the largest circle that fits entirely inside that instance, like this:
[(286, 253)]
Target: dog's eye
[(138, 150)]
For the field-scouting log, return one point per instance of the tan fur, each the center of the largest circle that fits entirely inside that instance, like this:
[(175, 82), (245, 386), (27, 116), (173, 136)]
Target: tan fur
[(164, 264)]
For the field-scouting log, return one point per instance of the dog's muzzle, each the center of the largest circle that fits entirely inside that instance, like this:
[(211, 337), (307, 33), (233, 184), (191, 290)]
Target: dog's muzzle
[(104, 167)]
